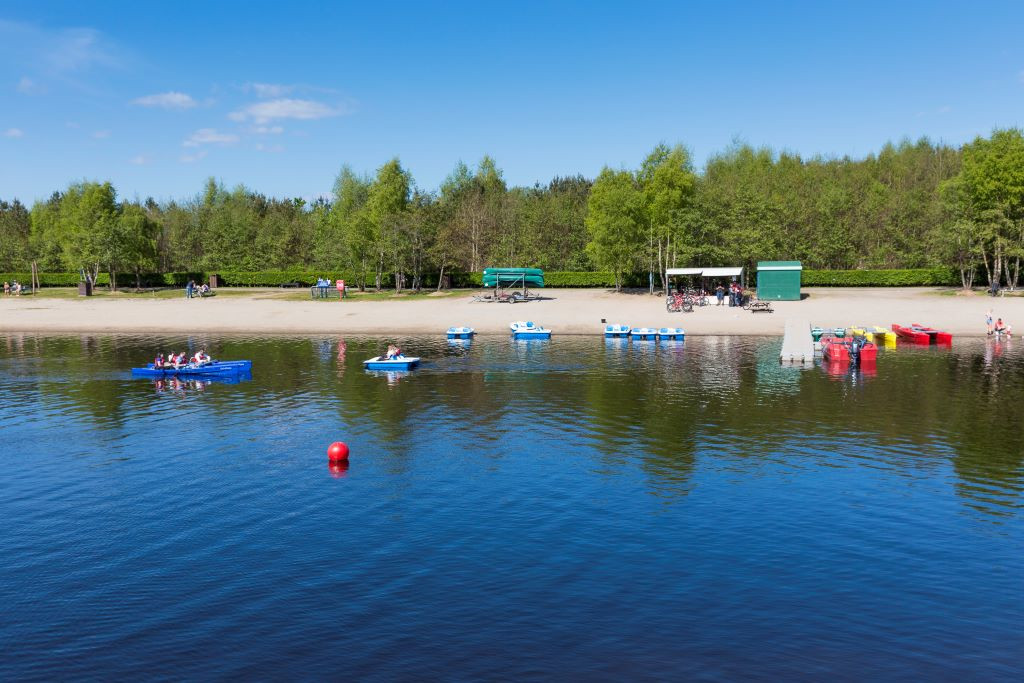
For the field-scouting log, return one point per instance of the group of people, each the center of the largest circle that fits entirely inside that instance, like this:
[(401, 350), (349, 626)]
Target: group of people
[(13, 288), (192, 289), (735, 294), (179, 359), (997, 328)]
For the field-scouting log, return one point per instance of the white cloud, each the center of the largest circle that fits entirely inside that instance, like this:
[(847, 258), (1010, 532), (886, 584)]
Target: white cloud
[(52, 57), (268, 89), (264, 112), (101, 134), (139, 160), (190, 158), (166, 100), (29, 87), (209, 136), (260, 147), (267, 130), (14, 133)]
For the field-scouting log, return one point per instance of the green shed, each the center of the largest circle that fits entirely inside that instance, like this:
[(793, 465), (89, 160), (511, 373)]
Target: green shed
[(778, 280)]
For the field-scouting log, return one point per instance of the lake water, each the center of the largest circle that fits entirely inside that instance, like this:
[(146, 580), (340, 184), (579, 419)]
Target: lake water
[(512, 510)]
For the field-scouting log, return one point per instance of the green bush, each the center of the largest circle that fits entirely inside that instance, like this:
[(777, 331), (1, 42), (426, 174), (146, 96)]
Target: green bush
[(911, 277), (52, 279), (917, 277)]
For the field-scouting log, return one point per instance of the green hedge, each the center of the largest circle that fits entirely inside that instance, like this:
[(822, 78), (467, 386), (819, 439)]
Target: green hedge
[(52, 279), (912, 277), (918, 277)]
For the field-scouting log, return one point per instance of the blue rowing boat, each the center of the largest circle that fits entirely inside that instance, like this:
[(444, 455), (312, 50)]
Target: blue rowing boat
[(215, 368)]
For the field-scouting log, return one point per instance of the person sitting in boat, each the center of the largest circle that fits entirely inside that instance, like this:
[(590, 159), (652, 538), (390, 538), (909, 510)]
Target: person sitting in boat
[(178, 360), (201, 358), (393, 352)]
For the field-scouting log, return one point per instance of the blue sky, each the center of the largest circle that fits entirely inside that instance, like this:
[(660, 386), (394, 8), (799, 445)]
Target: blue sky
[(156, 97)]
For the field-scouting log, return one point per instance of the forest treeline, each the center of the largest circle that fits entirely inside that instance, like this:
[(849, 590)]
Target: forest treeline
[(911, 205)]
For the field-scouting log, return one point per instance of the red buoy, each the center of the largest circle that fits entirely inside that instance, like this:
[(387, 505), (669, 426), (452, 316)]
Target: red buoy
[(337, 451)]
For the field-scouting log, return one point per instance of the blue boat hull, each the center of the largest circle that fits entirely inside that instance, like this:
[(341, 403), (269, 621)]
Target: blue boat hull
[(460, 335), (399, 364), (213, 369), (645, 337), (531, 335)]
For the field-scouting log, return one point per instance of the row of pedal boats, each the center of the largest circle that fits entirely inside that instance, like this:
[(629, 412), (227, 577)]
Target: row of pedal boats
[(859, 345), (916, 333)]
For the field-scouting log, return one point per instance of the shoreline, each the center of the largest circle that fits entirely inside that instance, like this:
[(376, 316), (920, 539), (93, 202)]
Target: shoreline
[(567, 312)]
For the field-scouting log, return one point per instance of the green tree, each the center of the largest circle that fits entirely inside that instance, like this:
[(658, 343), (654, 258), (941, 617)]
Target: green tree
[(15, 229), (387, 203), (614, 222), (668, 185)]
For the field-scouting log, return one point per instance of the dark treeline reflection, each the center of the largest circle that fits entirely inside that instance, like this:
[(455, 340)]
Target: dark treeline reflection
[(664, 406)]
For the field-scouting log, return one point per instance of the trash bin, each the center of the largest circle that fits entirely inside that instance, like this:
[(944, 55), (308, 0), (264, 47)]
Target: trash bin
[(214, 281), (85, 288)]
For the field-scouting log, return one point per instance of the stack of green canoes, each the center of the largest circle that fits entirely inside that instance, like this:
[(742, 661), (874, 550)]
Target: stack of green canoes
[(513, 277)]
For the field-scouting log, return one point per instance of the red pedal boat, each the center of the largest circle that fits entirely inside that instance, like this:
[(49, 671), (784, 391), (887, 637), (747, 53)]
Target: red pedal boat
[(846, 351), (922, 335)]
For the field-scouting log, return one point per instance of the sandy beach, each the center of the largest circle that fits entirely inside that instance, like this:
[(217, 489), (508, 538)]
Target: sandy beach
[(565, 311)]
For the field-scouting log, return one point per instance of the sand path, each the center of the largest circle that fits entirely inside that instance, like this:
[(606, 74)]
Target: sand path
[(565, 311)]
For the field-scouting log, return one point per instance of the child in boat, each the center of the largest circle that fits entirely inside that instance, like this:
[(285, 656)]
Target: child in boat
[(200, 358), (158, 362), (393, 352), (178, 360)]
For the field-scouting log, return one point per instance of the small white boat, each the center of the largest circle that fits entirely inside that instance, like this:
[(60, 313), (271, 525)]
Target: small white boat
[(461, 332), (671, 333), (397, 363), (617, 330), (643, 333), (528, 330)]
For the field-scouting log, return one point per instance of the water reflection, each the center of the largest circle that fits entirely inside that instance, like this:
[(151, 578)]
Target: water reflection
[(338, 468), (664, 406)]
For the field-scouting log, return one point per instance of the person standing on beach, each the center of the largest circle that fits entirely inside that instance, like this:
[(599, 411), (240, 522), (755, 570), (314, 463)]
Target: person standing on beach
[(988, 322), (188, 289), (720, 294)]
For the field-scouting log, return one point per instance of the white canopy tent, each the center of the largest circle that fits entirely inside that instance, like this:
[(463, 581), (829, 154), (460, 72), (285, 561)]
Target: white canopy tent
[(706, 272)]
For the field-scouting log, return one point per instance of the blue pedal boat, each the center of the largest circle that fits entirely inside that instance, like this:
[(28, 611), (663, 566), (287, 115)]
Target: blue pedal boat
[(643, 333), (461, 332), (528, 330), (617, 330), (671, 333), (384, 363), (215, 368)]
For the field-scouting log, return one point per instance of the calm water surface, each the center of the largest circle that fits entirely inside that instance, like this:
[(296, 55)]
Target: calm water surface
[(572, 509)]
